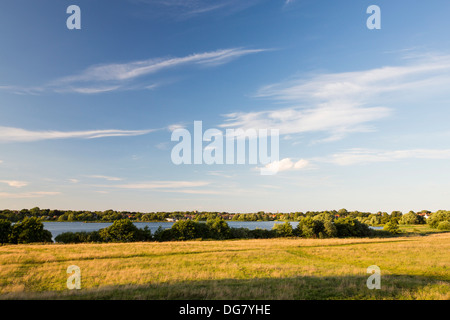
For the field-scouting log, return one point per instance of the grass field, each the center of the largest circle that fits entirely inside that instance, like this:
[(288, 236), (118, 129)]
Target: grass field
[(414, 266)]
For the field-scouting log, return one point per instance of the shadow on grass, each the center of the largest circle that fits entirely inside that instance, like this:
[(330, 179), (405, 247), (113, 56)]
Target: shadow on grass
[(393, 287)]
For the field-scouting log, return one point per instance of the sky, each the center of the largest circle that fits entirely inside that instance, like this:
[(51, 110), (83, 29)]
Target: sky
[(87, 115)]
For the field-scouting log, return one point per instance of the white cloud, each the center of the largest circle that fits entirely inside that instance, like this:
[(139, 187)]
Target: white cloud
[(341, 103), (286, 164), (162, 185), (36, 194), (360, 156), (114, 76), (9, 134), (104, 177), (183, 9), (111, 77), (15, 184)]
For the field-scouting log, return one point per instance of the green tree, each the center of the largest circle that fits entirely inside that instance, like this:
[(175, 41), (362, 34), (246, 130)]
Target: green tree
[(124, 230), (351, 227), (310, 228), (437, 217), (444, 225), (330, 229), (218, 228), (411, 218), (184, 230), (29, 230), (392, 227), (5, 230), (283, 229)]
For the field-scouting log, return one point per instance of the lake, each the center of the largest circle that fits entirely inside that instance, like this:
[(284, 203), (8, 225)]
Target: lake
[(57, 228)]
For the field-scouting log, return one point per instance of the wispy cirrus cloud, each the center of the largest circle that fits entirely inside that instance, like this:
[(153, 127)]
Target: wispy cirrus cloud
[(33, 194), (189, 9), (104, 177), (14, 183), (186, 187), (162, 185), (364, 156), (340, 103), (103, 78), (10, 134)]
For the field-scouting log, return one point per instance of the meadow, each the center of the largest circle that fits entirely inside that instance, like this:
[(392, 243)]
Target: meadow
[(415, 265)]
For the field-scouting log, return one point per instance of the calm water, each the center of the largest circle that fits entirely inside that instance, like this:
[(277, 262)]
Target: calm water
[(57, 228)]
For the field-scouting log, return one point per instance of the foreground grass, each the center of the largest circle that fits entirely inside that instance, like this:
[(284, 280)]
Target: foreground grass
[(412, 267)]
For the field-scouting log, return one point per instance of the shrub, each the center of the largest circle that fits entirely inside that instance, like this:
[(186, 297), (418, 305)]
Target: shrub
[(310, 228), (261, 234), (5, 230), (392, 227), (330, 229), (78, 237), (185, 230), (239, 233), (351, 227), (124, 230), (162, 234), (412, 218), (283, 230), (438, 217), (218, 229), (444, 225), (29, 230)]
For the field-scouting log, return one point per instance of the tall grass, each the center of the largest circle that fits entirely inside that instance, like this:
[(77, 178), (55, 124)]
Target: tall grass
[(412, 267)]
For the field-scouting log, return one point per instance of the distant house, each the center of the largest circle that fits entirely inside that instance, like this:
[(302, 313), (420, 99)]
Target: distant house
[(426, 215)]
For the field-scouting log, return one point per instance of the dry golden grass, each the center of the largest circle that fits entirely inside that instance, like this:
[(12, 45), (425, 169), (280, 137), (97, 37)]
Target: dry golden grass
[(414, 267)]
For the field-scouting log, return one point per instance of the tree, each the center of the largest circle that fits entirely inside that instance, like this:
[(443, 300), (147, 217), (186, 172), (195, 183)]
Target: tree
[(218, 228), (351, 227), (184, 230), (330, 229), (392, 227), (437, 217), (5, 230), (124, 230), (411, 218), (283, 230), (310, 228), (444, 225), (29, 230)]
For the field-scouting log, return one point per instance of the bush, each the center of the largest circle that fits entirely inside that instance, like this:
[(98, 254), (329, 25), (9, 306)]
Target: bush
[(392, 227), (310, 228), (239, 233), (330, 229), (444, 225), (29, 230), (162, 234), (5, 230), (185, 230), (78, 237), (351, 227), (124, 230), (412, 218), (438, 217), (283, 230), (261, 234), (218, 229)]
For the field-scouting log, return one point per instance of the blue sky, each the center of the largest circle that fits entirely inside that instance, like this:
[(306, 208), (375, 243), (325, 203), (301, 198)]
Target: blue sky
[(86, 115)]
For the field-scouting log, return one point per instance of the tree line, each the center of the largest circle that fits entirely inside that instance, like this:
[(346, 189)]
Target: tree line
[(321, 225), (373, 219)]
